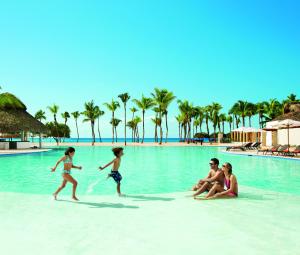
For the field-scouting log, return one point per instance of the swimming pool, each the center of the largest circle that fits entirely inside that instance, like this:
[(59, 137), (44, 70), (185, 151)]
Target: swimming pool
[(145, 170)]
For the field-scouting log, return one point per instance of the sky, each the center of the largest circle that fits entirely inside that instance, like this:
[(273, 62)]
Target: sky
[(71, 52)]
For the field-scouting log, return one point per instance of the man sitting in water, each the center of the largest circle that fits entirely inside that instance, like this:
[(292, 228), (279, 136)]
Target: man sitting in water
[(215, 175)]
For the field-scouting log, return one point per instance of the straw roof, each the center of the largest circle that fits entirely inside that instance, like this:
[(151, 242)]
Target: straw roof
[(14, 117), (290, 115)]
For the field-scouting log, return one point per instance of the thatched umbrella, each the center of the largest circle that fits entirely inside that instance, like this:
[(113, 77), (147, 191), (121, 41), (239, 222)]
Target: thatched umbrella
[(15, 119)]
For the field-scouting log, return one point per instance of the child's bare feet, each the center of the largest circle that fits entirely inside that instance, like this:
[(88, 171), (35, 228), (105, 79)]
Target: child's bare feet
[(75, 198), (55, 196)]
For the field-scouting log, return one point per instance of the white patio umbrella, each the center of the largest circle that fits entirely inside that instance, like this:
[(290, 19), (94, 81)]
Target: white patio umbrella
[(288, 123)]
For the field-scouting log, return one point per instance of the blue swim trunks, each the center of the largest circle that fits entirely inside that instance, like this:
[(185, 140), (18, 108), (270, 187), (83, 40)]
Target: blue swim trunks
[(116, 176)]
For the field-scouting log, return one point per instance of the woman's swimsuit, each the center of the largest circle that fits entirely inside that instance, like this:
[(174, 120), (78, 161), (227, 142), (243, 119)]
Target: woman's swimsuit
[(68, 160), (228, 184), (116, 176)]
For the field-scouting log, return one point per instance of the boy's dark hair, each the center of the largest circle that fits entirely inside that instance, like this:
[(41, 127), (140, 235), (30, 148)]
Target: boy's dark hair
[(215, 160), (117, 150), (69, 150)]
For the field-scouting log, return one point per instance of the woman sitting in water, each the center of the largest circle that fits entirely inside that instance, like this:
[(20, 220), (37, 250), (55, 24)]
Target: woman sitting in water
[(66, 173), (217, 191)]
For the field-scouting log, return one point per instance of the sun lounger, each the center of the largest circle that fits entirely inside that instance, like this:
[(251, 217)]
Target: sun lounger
[(293, 152), (269, 150), (242, 147), (281, 150)]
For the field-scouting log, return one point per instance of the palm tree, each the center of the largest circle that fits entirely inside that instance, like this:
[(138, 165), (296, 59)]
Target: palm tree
[(99, 113), (261, 111), (112, 106), (157, 123), (40, 115), (136, 122), (251, 111), (133, 110), (242, 108), (124, 98), (65, 116), (144, 104), (76, 116), (180, 119), (90, 113), (115, 122), (274, 109), (54, 110), (187, 110), (222, 119), (214, 116), (207, 114), (168, 99), (229, 119)]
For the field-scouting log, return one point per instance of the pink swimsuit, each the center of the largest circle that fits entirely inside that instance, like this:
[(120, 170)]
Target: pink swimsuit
[(227, 183)]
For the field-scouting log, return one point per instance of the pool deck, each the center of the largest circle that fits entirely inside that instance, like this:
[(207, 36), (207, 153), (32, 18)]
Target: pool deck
[(255, 223), (20, 152), (255, 154)]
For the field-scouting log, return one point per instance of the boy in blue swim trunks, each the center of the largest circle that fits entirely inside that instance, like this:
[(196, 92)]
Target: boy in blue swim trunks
[(115, 174)]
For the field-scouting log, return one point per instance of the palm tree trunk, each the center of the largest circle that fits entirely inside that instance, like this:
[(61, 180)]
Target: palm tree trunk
[(143, 126), (93, 132), (77, 130), (249, 121), (116, 134), (161, 132), (125, 124), (112, 124), (167, 128), (207, 128), (56, 127), (100, 139)]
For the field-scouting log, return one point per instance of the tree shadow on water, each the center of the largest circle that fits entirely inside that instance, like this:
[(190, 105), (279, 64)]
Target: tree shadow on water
[(149, 198), (102, 205)]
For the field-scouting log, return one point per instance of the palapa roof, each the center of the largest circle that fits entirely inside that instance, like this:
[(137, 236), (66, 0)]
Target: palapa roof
[(14, 117), (290, 115)]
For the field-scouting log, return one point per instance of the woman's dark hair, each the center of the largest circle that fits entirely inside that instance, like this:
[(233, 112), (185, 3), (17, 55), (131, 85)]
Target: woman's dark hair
[(229, 166), (117, 150), (215, 160), (69, 150)]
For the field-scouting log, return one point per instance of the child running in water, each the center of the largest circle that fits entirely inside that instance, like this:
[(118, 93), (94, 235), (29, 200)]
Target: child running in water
[(115, 174), (66, 174)]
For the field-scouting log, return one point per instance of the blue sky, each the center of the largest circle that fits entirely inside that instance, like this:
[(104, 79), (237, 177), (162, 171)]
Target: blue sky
[(69, 52)]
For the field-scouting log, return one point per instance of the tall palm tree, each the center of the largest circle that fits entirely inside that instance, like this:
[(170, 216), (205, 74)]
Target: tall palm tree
[(133, 110), (168, 99), (54, 110), (251, 111), (98, 115), (112, 106), (40, 115), (261, 111), (207, 114), (274, 109), (115, 122), (90, 113), (144, 104), (214, 115), (162, 99), (187, 110), (229, 120), (76, 115), (136, 122), (157, 123), (124, 98), (65, 116), (222, 119), (242, 108)]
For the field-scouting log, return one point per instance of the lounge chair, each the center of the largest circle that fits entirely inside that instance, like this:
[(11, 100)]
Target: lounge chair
[(293, 152), (254, 146), (271, 150), (281, 150), (242, 147)]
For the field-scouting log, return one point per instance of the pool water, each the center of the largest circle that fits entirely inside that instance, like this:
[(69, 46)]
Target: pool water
[(145, 170)]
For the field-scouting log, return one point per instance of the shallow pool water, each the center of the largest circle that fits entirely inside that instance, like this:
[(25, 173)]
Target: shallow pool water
[(145, 170)]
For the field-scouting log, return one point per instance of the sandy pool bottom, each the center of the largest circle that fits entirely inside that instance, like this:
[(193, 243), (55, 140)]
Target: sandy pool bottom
[(259, 222)]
